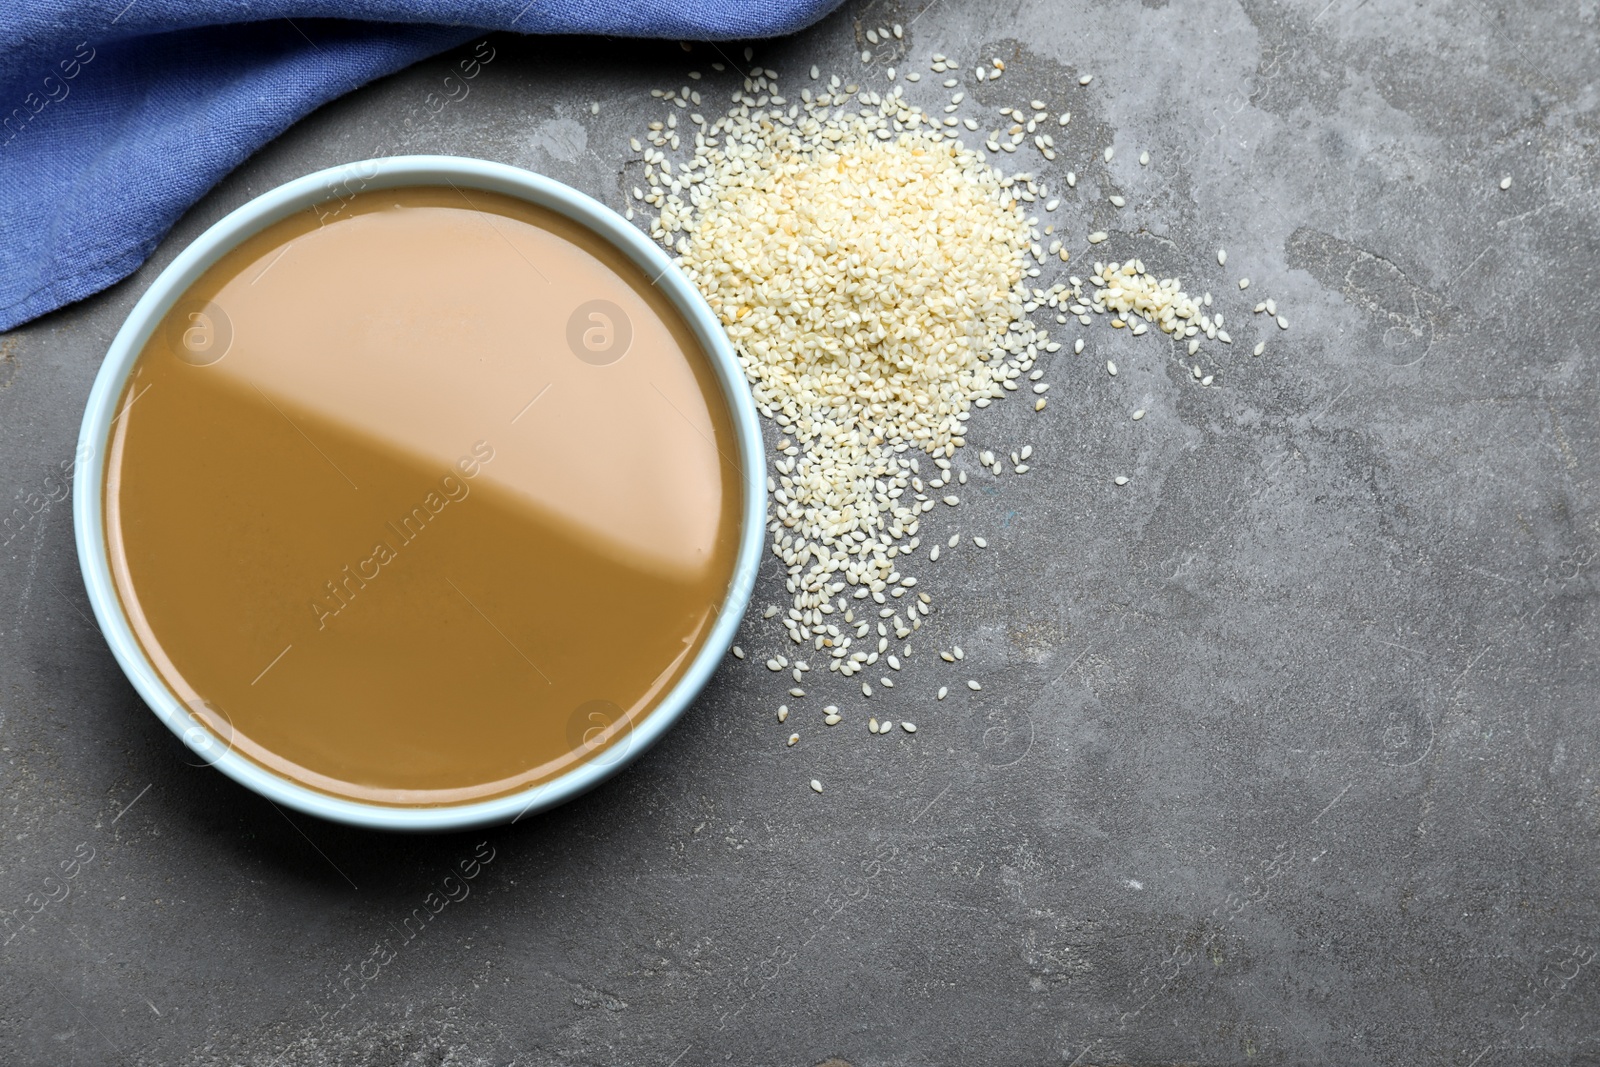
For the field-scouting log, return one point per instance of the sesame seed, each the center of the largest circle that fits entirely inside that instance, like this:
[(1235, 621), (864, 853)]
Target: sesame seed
[(1111, 368), (1137, 415), (1260, 348), (738, 652), (1505, 183), (797, 692), (1086, 79), (909, 727), (816, 786), (783, 712), (1144, 159), (1283, 323), (1120, 480), (973, 685), (1109, 153), (944, 691), (872, 726), (1222, 257), (980, 542), (1244, 283), (1098, 236), (793, 739), (1117, 201)]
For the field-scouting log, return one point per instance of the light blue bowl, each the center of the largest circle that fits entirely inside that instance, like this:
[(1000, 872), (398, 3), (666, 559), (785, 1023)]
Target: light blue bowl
[(340, 183)]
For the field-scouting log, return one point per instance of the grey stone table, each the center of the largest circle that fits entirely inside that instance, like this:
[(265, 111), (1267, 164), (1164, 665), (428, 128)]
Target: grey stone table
[(1287, 749)]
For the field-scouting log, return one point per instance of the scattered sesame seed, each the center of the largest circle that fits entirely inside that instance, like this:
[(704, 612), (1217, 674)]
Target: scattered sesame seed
[(783, 712), (1120, 480), (1137, 415), (1244, 283), (1111, 368), (1098, 236), (816, 786), (1260, 348), (944, 691), (909, 727), (1283, 323), (1505, 183), (1086, 79), (816, 72), (1109, 153), (1117, 201), (738, 652), (980, 542), (1222, 257), (973, 685), (793, 739), (1144, 159), (797, 692)]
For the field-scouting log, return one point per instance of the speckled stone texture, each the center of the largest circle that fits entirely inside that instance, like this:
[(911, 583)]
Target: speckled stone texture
[(1286, 752)]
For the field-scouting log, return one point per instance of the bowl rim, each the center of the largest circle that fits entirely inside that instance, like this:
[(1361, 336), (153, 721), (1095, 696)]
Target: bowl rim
[(321, 187)]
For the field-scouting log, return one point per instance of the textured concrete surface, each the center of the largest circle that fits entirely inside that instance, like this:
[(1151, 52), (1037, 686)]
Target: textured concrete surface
[(1287, 749)]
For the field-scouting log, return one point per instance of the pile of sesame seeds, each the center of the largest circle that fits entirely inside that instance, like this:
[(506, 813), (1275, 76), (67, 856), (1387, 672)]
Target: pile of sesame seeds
[(870, 272), (876, 278)]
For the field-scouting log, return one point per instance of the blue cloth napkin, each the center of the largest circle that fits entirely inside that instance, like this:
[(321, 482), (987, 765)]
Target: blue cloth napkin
[(116, 116)]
